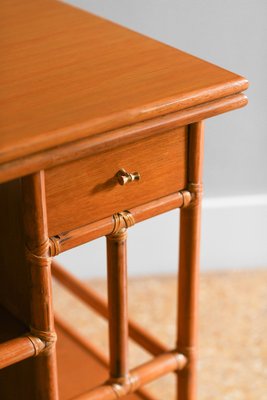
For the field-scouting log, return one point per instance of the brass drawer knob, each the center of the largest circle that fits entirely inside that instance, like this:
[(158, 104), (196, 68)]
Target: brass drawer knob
[(127, 177)]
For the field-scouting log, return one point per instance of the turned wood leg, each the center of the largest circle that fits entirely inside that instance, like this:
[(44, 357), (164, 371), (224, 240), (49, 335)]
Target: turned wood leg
[(189, 267)]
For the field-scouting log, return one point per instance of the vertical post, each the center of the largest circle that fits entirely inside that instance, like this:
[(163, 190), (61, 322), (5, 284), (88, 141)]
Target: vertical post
[(117, 304), (189, 266), (37, 254)]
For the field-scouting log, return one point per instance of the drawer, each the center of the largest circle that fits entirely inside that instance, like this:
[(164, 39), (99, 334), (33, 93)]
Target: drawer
[(86, 190)]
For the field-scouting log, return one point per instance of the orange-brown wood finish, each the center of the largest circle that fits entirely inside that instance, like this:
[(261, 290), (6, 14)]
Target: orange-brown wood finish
[(14, 291), (19, 349), (151, 370), (77, 356), (145, 339), (92, 78), (160, 161), (189, 266), (81, 148), (16, 344), (37, 255), (118, 304), (67, 240), (81, 99)]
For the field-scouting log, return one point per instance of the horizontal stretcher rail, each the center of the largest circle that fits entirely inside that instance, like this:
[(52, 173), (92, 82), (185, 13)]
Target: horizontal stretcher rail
[(91, 349), (84, 147), (139, 376), (67, 240), (15, 350), (92, 299)]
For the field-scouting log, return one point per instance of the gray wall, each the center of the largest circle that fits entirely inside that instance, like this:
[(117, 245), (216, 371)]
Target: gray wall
[(232, 34)]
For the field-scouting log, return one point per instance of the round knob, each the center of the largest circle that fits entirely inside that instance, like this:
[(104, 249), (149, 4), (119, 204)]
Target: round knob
[(124, 177)]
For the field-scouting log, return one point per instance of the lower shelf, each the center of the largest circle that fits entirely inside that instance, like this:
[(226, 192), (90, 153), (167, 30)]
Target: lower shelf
[(78, 370), (15, 380)]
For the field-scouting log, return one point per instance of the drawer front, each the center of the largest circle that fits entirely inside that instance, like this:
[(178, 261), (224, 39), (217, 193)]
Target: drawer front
[(86, 190)]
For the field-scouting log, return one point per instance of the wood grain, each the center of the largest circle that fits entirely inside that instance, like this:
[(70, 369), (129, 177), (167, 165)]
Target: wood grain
[(23, 289), (75, 359), (66, 74), (118, 305), (86, 233), (15, 350), (36, 248), (95, 144), (82, 98), (189, 257), (161, 161)]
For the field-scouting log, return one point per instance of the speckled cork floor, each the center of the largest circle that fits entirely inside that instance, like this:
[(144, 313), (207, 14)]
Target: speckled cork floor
[(232, 330)]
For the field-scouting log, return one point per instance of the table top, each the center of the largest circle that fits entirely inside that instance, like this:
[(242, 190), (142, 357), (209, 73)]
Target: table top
[(67, 74)]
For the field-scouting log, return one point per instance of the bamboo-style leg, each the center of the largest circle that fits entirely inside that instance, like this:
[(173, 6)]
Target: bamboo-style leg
[(117, 304), (37, 253), (189, 267)]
